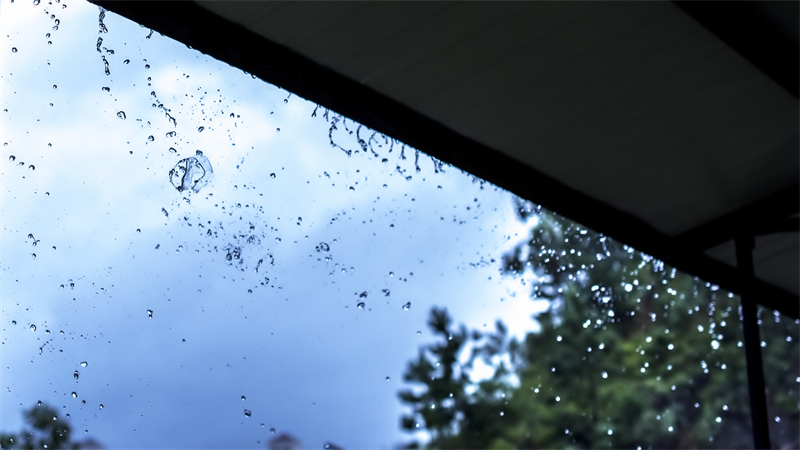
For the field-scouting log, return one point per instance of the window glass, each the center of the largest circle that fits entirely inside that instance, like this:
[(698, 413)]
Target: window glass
[(781, 355), (193, 257)]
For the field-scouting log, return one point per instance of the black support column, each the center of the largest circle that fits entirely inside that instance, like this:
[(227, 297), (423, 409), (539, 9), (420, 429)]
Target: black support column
[(752, 346)]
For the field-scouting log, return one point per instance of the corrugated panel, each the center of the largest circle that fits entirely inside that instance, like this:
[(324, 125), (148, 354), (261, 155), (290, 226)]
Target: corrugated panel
[(633, 103)]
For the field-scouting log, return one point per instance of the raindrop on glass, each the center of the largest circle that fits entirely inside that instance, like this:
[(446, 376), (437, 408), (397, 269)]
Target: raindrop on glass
[(13, 49), (121, 115), (272, 430), (247, 413), (324, 247), (84, 364), (76, 375), (361, 305), (149, 313), (12, 158), (200, 129), (127, 61), (151, 138), (74, 394), (33, 327), (101, 406), (243, 398), (407, 306)]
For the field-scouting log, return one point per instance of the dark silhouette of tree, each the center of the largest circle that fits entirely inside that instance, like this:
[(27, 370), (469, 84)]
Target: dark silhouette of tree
[(631, 353), (48, 431)]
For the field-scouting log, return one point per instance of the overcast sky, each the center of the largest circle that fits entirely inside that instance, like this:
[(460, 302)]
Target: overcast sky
[(113, 239)]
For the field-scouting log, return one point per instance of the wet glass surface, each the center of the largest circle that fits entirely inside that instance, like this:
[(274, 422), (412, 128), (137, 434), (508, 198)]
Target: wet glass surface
[(327, 284), (780, 350)]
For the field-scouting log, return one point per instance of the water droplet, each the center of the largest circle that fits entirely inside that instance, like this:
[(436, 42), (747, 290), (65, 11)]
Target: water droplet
[(200, 129), (101, 406), (247, 413), (13, 49), (121, 115), (107, 89), (149, 313), (74, 394), (272, 175), (388, 379), (165, 212), (700, 328), (558, 338), (361, 305), (147, 66), (324, 247), (40, 403), (76, 375), (243, 398), (55, 86), (151, 138), (12, 158), (605, 375), (33, 327), (272, 430), (278, 130), (83, 363), (13, 322), (719, 419), (127, 61), (46, 331), (715, 345), (419, 333), (670, 346), (171, 134), (407, 306), (32, 167), (172, 150)]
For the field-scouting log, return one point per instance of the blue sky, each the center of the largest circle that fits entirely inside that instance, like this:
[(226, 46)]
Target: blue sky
[(306, 358)]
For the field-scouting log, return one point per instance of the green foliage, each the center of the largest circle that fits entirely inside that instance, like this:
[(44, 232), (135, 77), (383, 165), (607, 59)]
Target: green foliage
[(49, 431), (631, 353)]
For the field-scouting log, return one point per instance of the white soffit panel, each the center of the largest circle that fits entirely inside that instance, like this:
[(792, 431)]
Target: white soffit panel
[(632, 103)]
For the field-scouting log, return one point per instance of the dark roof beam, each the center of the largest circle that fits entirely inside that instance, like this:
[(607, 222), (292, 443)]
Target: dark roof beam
[(771, 214), (764, 33)]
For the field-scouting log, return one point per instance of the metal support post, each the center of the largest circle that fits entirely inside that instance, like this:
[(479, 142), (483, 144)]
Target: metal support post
[(752, 346)]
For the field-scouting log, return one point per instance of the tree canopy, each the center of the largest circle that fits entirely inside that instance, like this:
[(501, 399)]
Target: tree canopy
[(631, 353)]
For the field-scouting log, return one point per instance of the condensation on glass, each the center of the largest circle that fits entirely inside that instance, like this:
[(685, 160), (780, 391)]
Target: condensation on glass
[(193, 257)]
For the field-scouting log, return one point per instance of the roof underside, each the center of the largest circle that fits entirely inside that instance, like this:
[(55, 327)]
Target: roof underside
[(637, 119)]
